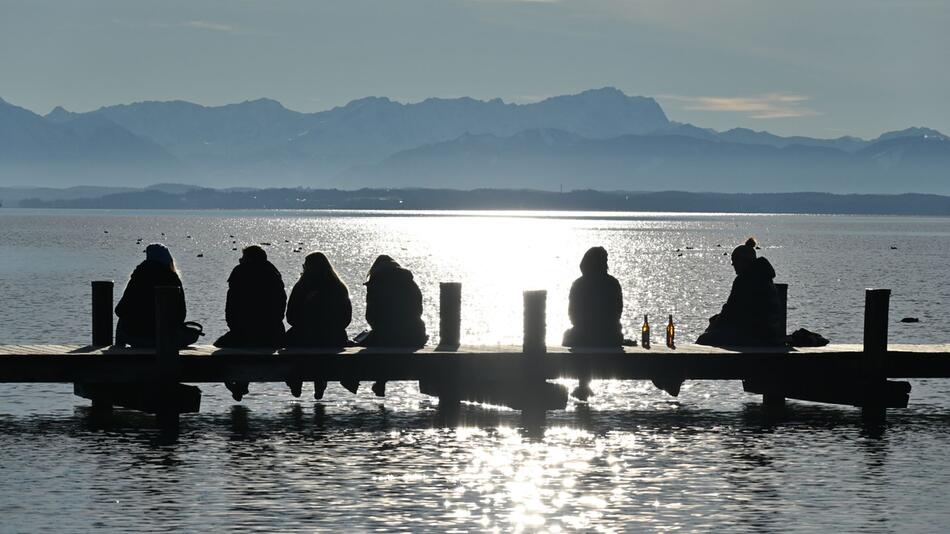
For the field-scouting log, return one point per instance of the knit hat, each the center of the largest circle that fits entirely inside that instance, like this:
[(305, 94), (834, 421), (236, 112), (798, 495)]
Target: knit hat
[(158, 252)]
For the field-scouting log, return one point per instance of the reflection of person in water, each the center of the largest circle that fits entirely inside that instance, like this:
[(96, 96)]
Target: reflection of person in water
[(594, 307), (393, 310), (751, 315), (254, 308), (136, 308), (319, 311)]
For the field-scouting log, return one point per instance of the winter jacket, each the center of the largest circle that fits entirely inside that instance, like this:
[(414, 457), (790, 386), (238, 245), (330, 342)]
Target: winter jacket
[(255, 306), (594, 307), (394, 308), (318, 314), (136, 308), (751, 314)]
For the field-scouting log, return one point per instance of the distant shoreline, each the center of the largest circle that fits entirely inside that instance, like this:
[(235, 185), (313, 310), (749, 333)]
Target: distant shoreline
[(187, 198)]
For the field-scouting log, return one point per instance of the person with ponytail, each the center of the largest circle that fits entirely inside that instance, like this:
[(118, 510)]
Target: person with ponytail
[(751, 315)]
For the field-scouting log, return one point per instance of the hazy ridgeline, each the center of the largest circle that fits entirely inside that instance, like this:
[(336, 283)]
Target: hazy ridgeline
[(598, 139)]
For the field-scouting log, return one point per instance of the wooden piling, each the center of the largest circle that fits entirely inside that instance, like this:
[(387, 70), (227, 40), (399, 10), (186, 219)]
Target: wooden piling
[(450, 314), (774, 402), (166, 354), (876, 303), (535, 329), (102, 313), (448, 384), (101, 397), (782, 290), (536, 395)]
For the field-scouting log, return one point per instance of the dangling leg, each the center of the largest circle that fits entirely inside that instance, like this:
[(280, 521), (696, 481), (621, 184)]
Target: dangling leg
[(582, 392), (237, 389), (319, 386), (296, 387)]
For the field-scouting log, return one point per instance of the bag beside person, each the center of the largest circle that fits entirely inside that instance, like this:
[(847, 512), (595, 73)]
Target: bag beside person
[(189, 332)]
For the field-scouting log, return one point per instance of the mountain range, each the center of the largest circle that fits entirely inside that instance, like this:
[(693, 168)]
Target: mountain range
[(598, 139)]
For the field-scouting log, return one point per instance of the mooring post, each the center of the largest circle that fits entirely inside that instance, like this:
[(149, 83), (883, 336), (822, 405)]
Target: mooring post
[(102, 313), (535, 329), (101, 396), (774, 402), (782, 290), (166, 354), (534, 348), (447, 386), (450, 314), (876, 303)]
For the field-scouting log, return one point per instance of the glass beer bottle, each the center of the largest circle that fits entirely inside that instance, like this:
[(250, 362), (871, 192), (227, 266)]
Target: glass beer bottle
[(670, 334), (645, 333)]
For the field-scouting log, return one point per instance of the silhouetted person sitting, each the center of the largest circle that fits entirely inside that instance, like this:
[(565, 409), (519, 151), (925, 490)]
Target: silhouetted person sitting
[(319, 311), (751, 315), (254, 309), (136, 308), (393, 310), (594, 307)]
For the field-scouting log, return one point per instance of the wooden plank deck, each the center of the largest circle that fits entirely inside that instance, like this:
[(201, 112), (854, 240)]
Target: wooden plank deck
[(204, 363)]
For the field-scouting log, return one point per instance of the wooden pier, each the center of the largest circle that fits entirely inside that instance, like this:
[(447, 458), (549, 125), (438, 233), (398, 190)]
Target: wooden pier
[(854, 375)]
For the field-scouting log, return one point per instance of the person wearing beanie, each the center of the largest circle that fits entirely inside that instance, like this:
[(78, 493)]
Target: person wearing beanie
[(136, 308), (594, 306), (254, 309), (751, 315)]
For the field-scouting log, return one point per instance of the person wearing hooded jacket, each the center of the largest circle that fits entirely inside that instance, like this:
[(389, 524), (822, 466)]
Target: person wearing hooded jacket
[(751, 315), (319, 310), (255, 308), (594, 307), (136, 308), (393, 310)]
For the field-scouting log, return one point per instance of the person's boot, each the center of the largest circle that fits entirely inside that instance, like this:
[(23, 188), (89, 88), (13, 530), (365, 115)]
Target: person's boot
[(582, 392), (237, 389), (669, 385), (350, 385), (296, 388), (379, 388), (318, 389)]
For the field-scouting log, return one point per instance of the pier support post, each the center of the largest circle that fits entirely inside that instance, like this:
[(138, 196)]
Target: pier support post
[(534, 348), (535, 327), (876, 302), (100, 396), (450, 314), (450, 326), (782, 290), (102, 313), (166, 355), (774, 403)]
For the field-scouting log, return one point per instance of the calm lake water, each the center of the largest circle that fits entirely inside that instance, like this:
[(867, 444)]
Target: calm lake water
[(633, 459)]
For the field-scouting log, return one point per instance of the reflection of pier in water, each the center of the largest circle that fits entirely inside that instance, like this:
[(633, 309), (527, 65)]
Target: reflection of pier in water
[(516, 376)]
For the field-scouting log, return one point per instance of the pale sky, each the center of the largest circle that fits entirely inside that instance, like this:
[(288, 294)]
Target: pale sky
[(822, 68)]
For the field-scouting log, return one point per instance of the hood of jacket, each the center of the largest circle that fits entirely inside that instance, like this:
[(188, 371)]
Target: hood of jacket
[(389, 272), (761, 269), (255, 271)]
